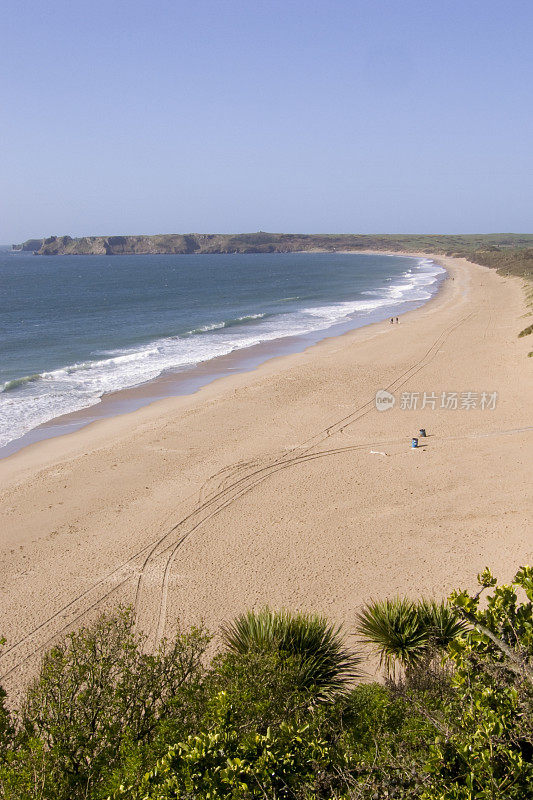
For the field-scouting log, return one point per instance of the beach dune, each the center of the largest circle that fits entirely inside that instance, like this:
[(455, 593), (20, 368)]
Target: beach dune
[(286, 486)]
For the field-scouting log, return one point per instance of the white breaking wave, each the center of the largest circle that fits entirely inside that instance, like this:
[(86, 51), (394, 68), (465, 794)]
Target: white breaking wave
[(33, 400)]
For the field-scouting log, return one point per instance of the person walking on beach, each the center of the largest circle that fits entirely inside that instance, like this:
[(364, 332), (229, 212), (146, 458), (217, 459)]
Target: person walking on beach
[(396, 320), (392, 320)]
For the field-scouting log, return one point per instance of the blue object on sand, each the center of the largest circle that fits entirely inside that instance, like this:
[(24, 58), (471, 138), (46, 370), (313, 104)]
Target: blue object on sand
[(414, 442), (422, 433)]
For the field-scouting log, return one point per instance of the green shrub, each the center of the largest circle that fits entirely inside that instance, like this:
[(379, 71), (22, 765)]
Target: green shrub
[(98, 696), (7, 730), (263, 689), (408, 633), (325, 662), (484, 746), (221, 763)]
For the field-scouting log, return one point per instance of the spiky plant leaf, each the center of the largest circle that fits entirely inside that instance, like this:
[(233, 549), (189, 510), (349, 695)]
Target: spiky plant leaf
[(442, 622), (396, 632), (326, 663)]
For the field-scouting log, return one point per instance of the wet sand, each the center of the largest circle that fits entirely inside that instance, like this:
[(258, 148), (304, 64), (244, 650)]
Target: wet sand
[(263, 487)]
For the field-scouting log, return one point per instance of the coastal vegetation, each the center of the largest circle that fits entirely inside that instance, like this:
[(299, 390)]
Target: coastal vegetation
[(283, 711)]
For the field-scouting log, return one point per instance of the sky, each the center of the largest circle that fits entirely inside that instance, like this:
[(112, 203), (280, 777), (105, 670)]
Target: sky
[(369, 116)]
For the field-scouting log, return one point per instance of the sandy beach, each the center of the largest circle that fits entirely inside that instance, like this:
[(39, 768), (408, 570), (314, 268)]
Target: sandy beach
[(286, 486)]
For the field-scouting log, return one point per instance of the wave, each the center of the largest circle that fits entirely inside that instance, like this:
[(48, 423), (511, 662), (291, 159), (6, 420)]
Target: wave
[(202, 329), (8, 386), (246, 318), (228, 323), (413, 286), (121, 357), (31, 400)]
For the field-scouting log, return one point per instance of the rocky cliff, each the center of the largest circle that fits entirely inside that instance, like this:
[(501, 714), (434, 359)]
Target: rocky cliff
[(191, 243), (29, 246), (261, 242)]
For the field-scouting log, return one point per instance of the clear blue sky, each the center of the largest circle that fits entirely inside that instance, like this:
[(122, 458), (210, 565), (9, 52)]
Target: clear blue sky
[(228, 116)]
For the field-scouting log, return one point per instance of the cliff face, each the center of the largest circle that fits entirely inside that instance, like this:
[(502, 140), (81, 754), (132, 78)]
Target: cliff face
[(197, 243), (29, 246), (203, 243), (117, 245), (171, 243), (261, 242)]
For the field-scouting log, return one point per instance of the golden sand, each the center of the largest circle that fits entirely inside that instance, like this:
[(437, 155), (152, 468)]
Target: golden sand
[(272, 487)]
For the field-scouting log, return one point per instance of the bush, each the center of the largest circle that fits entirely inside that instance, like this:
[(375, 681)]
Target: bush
[(221, 763), (262, 688), (408, 633), (326, 664), (7, 730), (99, 696), (484, 747)]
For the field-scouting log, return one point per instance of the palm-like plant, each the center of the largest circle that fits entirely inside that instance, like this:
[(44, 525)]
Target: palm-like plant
[(395, 630), (325, 662), (408, 633), (442, 622)]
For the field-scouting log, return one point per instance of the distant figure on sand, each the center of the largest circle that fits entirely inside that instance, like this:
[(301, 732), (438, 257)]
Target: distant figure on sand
[(392, 320), (396, 319)]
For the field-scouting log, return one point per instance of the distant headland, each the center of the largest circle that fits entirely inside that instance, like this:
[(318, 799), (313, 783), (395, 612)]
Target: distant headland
[(511, 253), (261, 242)]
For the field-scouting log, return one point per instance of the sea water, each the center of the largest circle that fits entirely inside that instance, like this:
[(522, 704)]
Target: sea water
[(74, 328)]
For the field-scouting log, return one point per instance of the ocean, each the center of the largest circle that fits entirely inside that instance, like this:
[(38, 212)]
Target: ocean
[(75, 328)]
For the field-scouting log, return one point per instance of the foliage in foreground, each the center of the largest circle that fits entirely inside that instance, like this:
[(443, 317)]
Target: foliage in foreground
[(408, 633), (452, 721), (221, 763), (99, 695), (485, 746), (326, 663)]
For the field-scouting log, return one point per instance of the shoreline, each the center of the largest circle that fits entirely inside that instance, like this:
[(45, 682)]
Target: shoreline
[(284, 485), (192, 379)]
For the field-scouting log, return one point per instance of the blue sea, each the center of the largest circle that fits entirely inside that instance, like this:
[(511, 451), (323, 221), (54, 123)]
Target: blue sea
[(74, 328)]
